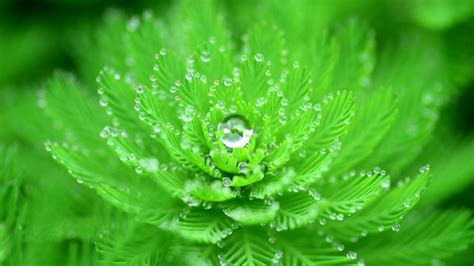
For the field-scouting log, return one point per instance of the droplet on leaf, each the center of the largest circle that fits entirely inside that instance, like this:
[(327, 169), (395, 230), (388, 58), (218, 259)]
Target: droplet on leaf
[(236, 132)]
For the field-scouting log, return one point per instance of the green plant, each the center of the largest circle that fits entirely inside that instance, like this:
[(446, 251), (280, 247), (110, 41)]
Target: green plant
[(269, 151)]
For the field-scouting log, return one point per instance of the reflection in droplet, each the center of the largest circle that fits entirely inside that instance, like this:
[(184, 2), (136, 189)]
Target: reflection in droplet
[(236, 132)]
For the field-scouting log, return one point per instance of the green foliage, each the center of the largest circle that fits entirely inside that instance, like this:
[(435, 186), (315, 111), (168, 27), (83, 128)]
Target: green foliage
[(201, 148)]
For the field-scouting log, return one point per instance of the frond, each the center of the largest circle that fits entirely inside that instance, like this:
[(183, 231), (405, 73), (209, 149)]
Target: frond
[(132, 243), (205, 226), (374, 117), (248, 246), (304, 247), (421, 240), (381, 214), (13, 210)]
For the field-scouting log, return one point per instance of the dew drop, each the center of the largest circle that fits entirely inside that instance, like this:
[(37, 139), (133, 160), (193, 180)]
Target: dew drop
[(205, 56), (315, 194), (103, 102), (226, 181), (243, 167), (227, 82), (351, 255), (260, 101), (236, 131), (395, 227), (258, 57)]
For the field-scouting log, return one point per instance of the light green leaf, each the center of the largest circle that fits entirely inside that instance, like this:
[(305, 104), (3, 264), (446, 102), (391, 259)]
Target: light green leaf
[(303, 247), (296, 210), (251, 212), (373, 119), (356, 56), (382, 213), (346, 197), (206, 226), (248, 246), (421, 240)]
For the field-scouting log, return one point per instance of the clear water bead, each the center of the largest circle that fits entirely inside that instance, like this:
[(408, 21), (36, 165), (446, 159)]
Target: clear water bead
[(236, 132), (351, 255)]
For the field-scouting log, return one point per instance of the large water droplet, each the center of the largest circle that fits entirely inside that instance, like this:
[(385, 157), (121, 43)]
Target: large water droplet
[(236, 132)]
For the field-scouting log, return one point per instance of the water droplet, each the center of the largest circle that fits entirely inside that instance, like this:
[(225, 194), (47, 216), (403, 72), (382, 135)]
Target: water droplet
[(377, 170), (351, 255), (260, 101), (258, 57), (315, 194), (329, 238), (395, 227), (139, 89), (139, 170), (103, 102), (236, 132), (133, 24), (227, 82), (149, 164), (385, 184), (226, 181), (424, 168), (205, 56), (243, 167), (340, 217)]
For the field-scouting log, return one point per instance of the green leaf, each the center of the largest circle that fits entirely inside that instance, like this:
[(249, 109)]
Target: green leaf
[(144, 211), (80, 119), (132, 243), (247, 246), (421, 240), (303, 247), (373, 119), (206, 226), (420, 95), (117, 97), (251, 212), (192, 253), (214, 191), (14, 209), (382, 213), (323, 60), (199, 25), (296, 210), (356, 56), (268, 40), (452, 169), (145, 37), (253, 80), (297, 87), (346, 197), (336, 112)]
